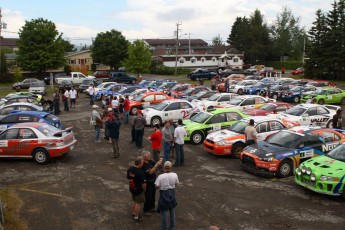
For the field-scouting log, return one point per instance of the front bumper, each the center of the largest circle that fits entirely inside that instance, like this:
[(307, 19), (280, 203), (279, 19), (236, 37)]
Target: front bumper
[(252, 164), (217, 150)]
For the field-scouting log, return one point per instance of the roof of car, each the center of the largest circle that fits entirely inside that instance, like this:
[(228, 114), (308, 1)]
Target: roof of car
[(249, 96), (260, 118), (175, 100), (35, 113), (28, 124), (20, 103), (222, 110), (308, 105)]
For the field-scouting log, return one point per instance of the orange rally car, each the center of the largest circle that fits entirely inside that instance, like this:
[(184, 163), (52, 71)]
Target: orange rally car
[(146, 100)]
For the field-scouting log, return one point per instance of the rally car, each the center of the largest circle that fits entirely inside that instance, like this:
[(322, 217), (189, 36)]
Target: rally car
[(179, 88), (231, 141), (256, 88), (198, 126), (286, 149), (190, 91), (169, 109), (20, 106), (326, 95), (29, 116), (324, 174), (138, 92), (147, 100), (275, 91), (295, 94), (12, 100), (239, 87), (246, 102), (216, 100), (36, 140), (202, 95), (310, 114), (269, 108), (110, 90)]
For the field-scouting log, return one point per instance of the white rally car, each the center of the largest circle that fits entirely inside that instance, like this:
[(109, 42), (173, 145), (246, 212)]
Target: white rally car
[(239, 87), (310, 114), (215, 100), (246, 102), (170, 109)]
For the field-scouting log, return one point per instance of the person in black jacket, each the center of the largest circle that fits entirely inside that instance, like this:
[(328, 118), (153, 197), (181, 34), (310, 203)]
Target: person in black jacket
[(114, 134), (337, 120)]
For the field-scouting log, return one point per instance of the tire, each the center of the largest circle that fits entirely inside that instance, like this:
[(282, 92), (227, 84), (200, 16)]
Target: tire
[(285, 169), (156, 121), (240, 91), (321, 102), (236, 150), (133, 81), (342, 101), (296, 99), (134, 110), (41, 156), (197, 137), (275, 96), (210, 107), (330, 124)]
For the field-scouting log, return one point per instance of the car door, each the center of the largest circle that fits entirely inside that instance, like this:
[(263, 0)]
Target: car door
[(247, 104), (323, 115), (336, 96), (311, 145), (261, 129), (223, 99), (216, 122), (186, 110), (259, 102), (173, 111), (148, 101), (8, 121), (272, 127), (27, 141), (310, 117), (231, 118), (9, 143)]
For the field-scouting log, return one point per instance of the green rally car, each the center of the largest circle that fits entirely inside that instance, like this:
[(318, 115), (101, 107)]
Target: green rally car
[(325, 95), (324, 174), (202, 123)]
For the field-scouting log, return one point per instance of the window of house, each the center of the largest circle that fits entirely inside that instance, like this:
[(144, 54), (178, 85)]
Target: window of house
[(235, 60), (214, 59), (203, 59), (181, 60), (193, 60)]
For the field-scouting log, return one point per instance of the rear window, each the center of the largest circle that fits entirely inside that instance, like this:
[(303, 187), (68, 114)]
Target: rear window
[(48, 130)]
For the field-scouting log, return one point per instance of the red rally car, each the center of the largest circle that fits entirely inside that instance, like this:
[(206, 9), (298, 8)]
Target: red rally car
[(36, 140)]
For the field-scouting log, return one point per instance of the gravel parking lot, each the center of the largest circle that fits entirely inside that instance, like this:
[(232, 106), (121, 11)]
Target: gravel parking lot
[(89, 190)]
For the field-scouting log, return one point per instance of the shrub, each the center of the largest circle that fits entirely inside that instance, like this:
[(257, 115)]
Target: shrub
[(287, 64)]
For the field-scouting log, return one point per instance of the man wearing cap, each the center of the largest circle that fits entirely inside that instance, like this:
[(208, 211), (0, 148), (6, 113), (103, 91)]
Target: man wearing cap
[(114, 133), (250, 133), (139, 124), (137, 186), (337, 120), (166, 183), (95, 116)]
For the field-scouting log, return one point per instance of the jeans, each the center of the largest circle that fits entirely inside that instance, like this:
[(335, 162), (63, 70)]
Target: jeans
[(98, 130), (66, 104), (92, 98), (56, 108), (139, 133), (166, 150), (164, 219), (150, 195), (115, 145), (126, 116), (179, 151)]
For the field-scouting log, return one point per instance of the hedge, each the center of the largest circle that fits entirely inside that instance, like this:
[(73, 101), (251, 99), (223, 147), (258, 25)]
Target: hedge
[(277, 65)]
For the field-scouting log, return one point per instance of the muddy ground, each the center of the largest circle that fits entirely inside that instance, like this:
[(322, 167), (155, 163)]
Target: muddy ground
[(89, 190)]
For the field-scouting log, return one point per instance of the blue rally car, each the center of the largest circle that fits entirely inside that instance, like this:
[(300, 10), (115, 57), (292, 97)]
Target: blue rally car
[(110, 90), (17, 116), (256, 88), (296, 93)]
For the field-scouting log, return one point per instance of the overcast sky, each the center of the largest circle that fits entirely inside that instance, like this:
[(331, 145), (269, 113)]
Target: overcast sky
[(80, 21)]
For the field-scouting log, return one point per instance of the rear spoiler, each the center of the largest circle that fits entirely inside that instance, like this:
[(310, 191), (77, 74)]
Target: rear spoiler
[(67, 130), (332, 107)]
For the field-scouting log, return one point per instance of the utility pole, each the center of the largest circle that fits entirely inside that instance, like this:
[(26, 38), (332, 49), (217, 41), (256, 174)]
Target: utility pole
[(189, 51), (176, 51), (303, 55)]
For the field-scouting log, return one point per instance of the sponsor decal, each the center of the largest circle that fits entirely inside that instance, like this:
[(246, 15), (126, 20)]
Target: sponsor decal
[(253, 150), (323, 119), (306, 153), (328, 147), (3, 143)]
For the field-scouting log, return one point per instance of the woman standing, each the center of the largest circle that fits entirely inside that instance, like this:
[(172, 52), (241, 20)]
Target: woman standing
[(172, 131)]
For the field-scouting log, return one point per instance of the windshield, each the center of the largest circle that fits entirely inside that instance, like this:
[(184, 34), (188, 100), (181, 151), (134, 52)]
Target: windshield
[(86, 82), (48, 130), (268, 107), (122, 90), (163, 86), (297, 89), (161, 106), (279, 81), (187, 91), (201, 93), (214, 97), (176, 87), (285, 139), (238, 127), (155, 83), (258, 84), (338, 153), (296, 111), (201, 117), (235, 101), (138, 97), (241, 83), (320, 92)]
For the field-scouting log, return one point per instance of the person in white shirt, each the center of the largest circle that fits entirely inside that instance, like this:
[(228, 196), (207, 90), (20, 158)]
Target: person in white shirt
[(65, 99), (115, 105), (179, 135), (92, 93), (166, 183), (73, 97)]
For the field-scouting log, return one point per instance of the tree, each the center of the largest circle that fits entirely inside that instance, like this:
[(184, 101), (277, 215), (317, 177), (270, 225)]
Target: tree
[(217, 41), (40, 46), (68, 47), (238, 37), (110, 48), (3, 65), (139, 57)]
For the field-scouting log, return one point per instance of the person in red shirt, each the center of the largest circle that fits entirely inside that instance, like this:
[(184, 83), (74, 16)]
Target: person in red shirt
[(156, 140), (126, 109)]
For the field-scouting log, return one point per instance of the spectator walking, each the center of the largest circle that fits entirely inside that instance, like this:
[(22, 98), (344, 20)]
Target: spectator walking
[(172, 127), (139, 125), (96, 117), (149, 167), (156, 140), (337, 120), (92, 94), (56, 101), (137, 186), (126, 109), (179, 135), (166, 183), (250, 133), (73, 97), (121, 101), (65, 99), (114, 134), (115, 105), (167, 140)]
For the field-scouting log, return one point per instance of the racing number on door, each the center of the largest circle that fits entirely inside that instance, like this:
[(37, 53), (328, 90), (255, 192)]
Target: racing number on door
[(184, 114)]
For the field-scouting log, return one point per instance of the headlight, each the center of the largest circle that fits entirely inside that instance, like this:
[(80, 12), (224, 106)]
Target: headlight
[(329, 178), (266, 159), (308, 171), (303, 169), (299, 172), (312, 177)]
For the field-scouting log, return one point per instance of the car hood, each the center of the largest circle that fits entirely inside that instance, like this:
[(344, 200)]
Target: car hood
[(223, 134), (264, 149), (255, 112), (324, 165), (188, 124)]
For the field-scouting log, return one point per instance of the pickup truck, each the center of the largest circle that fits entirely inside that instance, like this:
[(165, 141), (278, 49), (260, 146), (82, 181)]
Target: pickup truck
[(254, 69), (121, 77), (76, 78)]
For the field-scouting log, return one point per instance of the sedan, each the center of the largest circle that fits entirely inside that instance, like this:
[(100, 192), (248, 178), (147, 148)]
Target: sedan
[(25, 84), (20, 106), (36, 140), (269, 108)]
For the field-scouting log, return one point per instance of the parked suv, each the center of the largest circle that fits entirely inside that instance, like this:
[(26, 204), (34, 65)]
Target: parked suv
[(121, 77), (101, 74)]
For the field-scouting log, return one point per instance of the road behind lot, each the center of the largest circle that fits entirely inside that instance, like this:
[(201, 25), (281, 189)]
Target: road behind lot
[(89, 190)]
